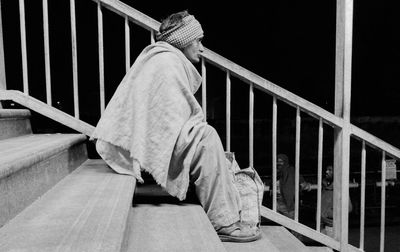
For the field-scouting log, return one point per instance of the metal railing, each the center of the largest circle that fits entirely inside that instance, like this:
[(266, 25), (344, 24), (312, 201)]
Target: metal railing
[(232, 70)]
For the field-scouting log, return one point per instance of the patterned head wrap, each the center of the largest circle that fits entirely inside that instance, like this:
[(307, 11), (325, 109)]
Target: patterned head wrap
[(182, 35)]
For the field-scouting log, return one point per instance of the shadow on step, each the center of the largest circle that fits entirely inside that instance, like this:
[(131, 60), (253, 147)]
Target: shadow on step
[(151, 193)]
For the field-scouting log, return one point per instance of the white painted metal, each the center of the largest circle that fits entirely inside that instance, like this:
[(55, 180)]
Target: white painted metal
[(362, 197), (297, 165), (74, 59), (228, 111), (274, 150), (344, 23), (204, 87), (319, 182), (127, 45), (3, 84), (251, 126), (383, 202), (48, 111), (101, 57), (23, 46), (152, 37), (46, 51)]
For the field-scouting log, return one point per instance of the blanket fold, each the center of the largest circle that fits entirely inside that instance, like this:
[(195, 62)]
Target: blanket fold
[(154, 117)]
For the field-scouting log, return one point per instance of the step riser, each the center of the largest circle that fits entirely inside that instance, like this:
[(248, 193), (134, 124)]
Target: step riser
[(20, 189), (12, 127)]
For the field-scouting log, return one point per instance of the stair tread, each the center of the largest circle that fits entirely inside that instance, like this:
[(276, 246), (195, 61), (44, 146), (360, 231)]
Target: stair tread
[(21, 151), (319, 249), (86, 211), (283, 239), (274, 238), (171, 227)]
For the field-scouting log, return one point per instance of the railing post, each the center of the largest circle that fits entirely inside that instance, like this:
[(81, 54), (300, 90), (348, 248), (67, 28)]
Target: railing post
[(127, 45), (23, 46), (2, 65), (204, 87), (274, 151), (74, 54), (101, 56), (228, 111), (341, 162)]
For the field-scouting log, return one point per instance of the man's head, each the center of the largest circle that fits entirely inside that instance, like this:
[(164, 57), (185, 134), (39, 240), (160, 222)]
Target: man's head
[(329, 173), (184, 32), (282, 161)]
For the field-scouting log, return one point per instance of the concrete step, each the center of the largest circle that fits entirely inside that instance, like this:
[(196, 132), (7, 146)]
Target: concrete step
[(32, 164), (319, 249), (171, 227), (160, 222), (274, 238), (14, 122), (86, 211)]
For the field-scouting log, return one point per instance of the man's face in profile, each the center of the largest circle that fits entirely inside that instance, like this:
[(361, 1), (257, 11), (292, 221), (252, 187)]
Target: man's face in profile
[(329, 173), (279, 165)]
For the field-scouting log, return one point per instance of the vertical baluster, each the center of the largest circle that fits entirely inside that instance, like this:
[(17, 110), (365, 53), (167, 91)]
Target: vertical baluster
[(152, 41), (251, 125), (74, 58), (101, 56), (46, 51), (23, 46), (362, 198), (383, 202), (2, 66), (127, 45), (228, 111), (204, 88), (297, 165), (274, 136), (320, 152)]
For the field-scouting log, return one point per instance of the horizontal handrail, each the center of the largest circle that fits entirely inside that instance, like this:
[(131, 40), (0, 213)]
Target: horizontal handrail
[(300, 228), (303, 229), (135, 16), (47, 110), (271, 88), (374, 142)]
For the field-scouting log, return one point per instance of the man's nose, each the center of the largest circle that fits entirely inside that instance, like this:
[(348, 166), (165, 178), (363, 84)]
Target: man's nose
[(201, 47)]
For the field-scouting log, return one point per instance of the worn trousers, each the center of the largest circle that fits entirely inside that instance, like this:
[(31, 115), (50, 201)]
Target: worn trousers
[(213, 181)]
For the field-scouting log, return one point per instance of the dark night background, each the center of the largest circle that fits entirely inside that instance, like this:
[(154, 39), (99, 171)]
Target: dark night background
[(290, 43)]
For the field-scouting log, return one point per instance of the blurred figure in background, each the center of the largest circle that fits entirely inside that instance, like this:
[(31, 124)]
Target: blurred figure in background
[(286, 186), (327, 202)]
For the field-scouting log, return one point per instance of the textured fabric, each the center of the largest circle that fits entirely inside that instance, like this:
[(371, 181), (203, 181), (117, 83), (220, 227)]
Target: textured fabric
[(181, 36), (154, 116), (250, 188), (213, 182)]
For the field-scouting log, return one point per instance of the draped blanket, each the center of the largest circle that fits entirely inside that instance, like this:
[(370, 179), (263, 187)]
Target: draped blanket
[(155, 117)]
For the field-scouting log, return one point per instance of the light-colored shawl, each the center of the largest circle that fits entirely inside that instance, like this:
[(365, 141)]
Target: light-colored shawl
[(155, 117)]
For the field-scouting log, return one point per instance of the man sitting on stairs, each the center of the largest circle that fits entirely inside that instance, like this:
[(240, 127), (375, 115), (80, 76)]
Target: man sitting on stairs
[(153, 123)]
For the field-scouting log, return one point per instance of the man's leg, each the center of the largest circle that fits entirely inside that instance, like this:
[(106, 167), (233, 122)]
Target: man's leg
[(213, 182)]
